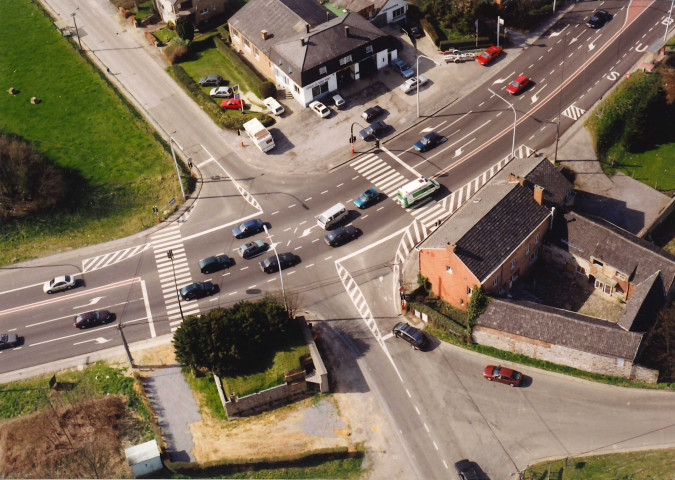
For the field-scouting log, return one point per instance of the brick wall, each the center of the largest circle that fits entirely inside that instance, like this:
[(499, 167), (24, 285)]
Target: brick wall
[(261, 63), (451, 287)]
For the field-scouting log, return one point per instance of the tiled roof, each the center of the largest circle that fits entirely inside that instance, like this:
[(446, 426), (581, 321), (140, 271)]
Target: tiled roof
[(556, 186), (560, 327), (358, 5), (640, 312), (631, 255), (500, 231)]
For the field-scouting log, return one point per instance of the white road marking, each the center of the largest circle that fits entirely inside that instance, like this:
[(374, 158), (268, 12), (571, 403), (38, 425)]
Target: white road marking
[(325, 191), (339, 185), (481, 104), (364, 217), (310, 265), (271, 280), (379, 209), (289, 242), (287, 229), (498, 114), (456, 142), (243, 268), (408, 392), (549, 49), (530, 66), (316, 240), (274, 213), (426, 428), (329, 257), (296, 248), (251, 287), (402, 163), (417, 410), (291, 273), (308, 199), (291, 206), (435, 446), (540, 57), (445, 465), (356, 177), (450, 125), (233, 293), (502, 80)]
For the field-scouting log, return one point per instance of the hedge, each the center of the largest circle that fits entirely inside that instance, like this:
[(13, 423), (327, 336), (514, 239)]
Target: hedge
[(439, 320), (431, 30), (239, 64), (483, 42)]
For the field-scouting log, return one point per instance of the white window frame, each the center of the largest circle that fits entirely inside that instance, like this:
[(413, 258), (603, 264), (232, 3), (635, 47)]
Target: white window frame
[(369, 49), (513, 263), (323, 70), (495, 281), (527, 249), (449, 270), (204, 11), (536, 239), (345, 60), (247, 45)]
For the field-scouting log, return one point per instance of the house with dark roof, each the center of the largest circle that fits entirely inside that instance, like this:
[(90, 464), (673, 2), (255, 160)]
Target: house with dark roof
[(305, 49), (379, 12), (495, 238)]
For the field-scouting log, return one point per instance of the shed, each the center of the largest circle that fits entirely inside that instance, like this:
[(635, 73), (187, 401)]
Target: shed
[(144, 459)]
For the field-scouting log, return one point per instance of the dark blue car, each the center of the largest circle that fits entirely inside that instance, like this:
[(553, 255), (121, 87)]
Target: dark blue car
[(367, 198), (249, 227), (429, 141)]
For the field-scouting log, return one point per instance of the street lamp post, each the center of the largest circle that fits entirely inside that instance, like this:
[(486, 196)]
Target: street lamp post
[(418, 79), (77, 32), (175, 162), (281, 277), (515, 117), (169, 255)]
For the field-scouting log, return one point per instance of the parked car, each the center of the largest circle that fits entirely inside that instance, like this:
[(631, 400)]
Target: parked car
[(412, 30), (252, 249), (339, 102), (372, 131), (518, 85), (221, 92), (429, 141), (270, 264), (58, 284), (372, 112), (233, 103), (248, 228), (411, 84), (275, 107), (210, 81), (401, 67), (598, 19), (320, 109), (503, 375), (92, 319), (410, 334), (8, 340), (488, 55), (197, 290), (215, 263), (367, 198), (467, 470), (341, 235)]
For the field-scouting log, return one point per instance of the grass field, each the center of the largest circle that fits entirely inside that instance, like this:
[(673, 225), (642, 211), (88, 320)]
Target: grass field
[(654, 168), (84, 125), (646, 465)]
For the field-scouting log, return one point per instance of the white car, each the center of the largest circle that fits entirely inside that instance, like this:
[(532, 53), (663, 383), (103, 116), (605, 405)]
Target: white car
[(57, 284), (320, 109), (275, 107), (411, 84), (221, 92)]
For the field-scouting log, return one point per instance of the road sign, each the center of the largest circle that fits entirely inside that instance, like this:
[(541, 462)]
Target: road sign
[(172, 200), (235, 88)]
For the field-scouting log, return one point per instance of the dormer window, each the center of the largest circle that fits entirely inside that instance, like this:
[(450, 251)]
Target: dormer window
[(323, 71), (369, 49)]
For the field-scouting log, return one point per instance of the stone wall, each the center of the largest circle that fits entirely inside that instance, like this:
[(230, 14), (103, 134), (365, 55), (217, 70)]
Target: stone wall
[(266, 399)]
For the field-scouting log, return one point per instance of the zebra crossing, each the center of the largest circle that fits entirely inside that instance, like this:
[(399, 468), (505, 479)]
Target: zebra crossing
[(573, 112), (101, 261), (173, 274)]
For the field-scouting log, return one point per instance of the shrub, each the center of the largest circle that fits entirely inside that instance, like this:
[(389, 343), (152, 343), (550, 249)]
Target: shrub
[(174, 51), (439, 320), (430, 29), (477, 305), (464, 44), (423, 282), (267, 89)]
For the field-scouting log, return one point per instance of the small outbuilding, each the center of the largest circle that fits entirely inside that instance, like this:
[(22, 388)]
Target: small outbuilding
[(144, 459)]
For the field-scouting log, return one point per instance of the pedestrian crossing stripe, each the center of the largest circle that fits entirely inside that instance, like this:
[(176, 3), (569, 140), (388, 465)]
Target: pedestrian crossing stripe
[(573, 112), (105, 260)]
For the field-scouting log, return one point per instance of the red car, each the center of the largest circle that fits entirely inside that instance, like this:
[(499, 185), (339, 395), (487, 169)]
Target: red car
[(518, 85), (488, 55), (503, 375), (234, 103)]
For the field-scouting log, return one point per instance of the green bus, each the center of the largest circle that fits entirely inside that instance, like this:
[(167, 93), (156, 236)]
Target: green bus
[(416, 190)]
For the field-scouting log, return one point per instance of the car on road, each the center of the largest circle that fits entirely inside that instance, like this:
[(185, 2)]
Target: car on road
[(215, 263), (221, 92), (503, 375), (233, 103), (91, 319), (210, 81), (58, 284), (410, 334), (341, 235), (252, 249), (339, 102), (270, 264), (518, 85), (467, 470), (367, 198), (8, 340), (197, 290), (275, 107), (372, 112), (598, 19), (429, 141), (401, 67), (320, 109), (372, 131), (248, 228), (488, 55), (411, 84)]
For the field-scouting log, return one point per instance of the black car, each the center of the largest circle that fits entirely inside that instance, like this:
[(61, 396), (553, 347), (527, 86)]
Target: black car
[(252, 249), (372, 131), (249, 227), (91, 319), (598, 19), (410, 334), (412, 30), (270, 265), (341, 235), (8, 340), (429, 141), (197, 290), (467, 470), (213, 264), (372, 112), (211, 81)]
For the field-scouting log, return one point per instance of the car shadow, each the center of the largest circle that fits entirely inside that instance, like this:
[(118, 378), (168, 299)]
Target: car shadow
[(526, 381)]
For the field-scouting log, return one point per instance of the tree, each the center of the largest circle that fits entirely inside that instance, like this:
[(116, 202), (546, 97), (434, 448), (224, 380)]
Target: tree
[(185, 29), (477, 305)]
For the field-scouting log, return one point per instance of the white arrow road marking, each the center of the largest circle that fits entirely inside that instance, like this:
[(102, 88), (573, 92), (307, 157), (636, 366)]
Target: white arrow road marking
[(573, 40), (307, 231), (458, 152), (640, 48), (555, 34), (455, 143), (502, 80), (427, 130), (535, 97), (99, 340), (93, 301)]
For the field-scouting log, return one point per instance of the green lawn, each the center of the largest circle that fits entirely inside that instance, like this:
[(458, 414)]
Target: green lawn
[(336, 9), (144, 11), (164, 34), (645, 465), (654, 168), (81, 124)]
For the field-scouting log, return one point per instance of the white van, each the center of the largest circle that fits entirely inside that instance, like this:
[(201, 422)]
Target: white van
[(332, 216), (275, 107)]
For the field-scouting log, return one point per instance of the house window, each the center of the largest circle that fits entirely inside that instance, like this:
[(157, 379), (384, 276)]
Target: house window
[(581, 270), (319, 89), (597, 262), (323, 71), (204, 11), (536, 239), (461, 301), (619, 362), (369, 49), (620, 276), (527, 249), (256, 53), (398, 12), (346, 60), (247, 45), (448, 269), (235, 35), (296, 88), (513, 263), (468, 290), (533, 258), (495, 281)]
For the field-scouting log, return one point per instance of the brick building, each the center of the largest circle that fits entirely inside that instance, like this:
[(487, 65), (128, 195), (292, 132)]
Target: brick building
[(199, 11)]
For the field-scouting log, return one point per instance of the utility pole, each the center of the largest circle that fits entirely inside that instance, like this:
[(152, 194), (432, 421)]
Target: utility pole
[(77, 32), (120, 327), (169, 255)]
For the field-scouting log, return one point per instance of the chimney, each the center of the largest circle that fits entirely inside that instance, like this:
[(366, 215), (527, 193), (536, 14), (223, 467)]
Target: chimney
[(346, 31), (452, 247), (306, 27), (515, 178), (263, 34), (538, 194)]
